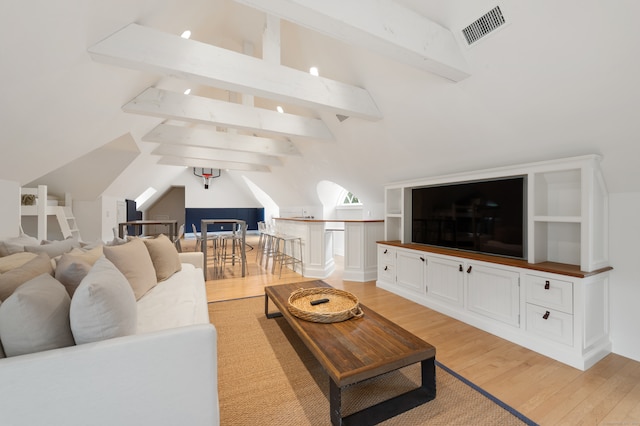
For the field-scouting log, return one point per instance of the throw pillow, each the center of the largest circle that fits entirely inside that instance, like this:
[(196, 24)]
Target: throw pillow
[(54, 248), (16, 244), (11, 280), (103, 306), (72, 267), (133, 260), (36, 317), (14, 260), (164, 256)]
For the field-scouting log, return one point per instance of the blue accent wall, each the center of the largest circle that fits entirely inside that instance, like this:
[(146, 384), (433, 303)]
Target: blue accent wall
[(251, 215)]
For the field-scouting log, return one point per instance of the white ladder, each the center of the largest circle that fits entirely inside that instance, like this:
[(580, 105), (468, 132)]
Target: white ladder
[(67, 222)]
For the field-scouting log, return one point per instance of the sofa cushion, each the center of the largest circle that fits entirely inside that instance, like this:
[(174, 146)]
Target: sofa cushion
[(54, 248), (175, 302), (36, 317), (11, 280), (164, 256), (133, 260), (103, 306), (72, 267), (14, 260)]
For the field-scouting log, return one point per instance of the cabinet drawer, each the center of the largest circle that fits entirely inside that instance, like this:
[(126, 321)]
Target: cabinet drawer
[(386, 273), (552, 294), (386, 254), (550, 324)]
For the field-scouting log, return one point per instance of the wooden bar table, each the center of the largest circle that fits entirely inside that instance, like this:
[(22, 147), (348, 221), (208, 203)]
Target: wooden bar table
[(172, 224)]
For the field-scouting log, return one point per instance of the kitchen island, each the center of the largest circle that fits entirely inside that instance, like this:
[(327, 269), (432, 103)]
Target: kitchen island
[(360, 249)]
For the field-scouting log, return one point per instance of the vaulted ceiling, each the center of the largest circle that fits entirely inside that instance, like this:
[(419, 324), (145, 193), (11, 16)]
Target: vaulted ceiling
[(93, 93)]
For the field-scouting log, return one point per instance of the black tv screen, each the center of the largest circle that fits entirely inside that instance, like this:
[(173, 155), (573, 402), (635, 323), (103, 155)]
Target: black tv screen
[(486, 216)]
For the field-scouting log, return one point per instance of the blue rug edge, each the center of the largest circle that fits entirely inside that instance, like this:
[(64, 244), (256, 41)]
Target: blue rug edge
[(510, 409)]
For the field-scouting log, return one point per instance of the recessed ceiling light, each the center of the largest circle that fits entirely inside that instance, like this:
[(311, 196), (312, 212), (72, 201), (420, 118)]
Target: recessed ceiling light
[(186, 34), (314, 71), (279, 109), (186, 92)]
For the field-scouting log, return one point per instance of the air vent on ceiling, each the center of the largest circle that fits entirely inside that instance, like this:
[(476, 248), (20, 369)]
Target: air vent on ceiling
[(484, 25)]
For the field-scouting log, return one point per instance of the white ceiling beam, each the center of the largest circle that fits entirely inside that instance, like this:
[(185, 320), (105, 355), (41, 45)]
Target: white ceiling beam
[(216, 154), (213, 164), (382, 26), (197, 109), (271, 45), (211, 138), (151, 50)]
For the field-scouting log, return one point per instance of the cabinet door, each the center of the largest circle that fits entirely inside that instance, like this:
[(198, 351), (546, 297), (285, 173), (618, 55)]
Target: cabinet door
[(494, 293), (410, 270), (445, 280)]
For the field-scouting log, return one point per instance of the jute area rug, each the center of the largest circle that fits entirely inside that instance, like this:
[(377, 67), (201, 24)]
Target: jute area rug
[(266, 376)]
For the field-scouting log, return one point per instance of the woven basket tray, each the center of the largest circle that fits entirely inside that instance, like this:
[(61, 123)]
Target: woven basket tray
[(341, 306)]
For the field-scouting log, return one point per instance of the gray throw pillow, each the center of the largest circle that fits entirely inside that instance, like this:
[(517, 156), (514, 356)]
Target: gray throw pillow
[(103, 306), (36, 317)]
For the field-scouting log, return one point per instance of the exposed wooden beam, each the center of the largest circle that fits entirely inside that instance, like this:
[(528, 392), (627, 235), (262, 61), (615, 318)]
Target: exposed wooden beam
[(211, 138), (216, 154), (148, 49), (224, 165), (197, 109), (382, 26)]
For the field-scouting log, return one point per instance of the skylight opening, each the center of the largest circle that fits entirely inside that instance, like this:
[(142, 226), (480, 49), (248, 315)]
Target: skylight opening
[(144, 197), (186, 34)]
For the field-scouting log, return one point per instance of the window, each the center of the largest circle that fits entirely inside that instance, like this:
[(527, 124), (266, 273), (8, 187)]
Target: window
[(349, 198)]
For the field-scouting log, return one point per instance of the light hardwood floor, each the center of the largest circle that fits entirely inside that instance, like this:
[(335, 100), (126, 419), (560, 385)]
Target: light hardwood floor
[(546, 391)]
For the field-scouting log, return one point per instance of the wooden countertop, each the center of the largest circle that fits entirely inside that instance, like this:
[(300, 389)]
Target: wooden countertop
[(550, 267)]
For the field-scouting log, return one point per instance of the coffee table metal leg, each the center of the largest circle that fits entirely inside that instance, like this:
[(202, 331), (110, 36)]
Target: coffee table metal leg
[(390, 408), (335, 403), (266, 309)]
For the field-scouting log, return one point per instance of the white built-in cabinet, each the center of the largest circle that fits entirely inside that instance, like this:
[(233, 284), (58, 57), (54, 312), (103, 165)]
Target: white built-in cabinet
[(555, 301), (567, 207)]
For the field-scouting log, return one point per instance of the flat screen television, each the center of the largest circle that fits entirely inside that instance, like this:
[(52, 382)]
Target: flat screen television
[(487, 216)]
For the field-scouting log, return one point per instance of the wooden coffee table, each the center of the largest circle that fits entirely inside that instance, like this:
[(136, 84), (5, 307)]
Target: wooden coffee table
[(359, 349)]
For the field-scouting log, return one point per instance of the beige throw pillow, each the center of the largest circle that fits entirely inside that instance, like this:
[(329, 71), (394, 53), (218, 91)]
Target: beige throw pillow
[(133, 260), (11, 280), (14, 260), (164, 256), (36, 317), (103, 306)]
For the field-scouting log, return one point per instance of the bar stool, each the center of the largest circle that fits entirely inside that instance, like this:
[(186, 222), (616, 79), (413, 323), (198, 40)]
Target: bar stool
[(231, 249), (286, 253), (262, 230), (270, 249)]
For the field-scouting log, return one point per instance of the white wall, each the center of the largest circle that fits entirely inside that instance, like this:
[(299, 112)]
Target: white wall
[(89, 219), (9, 208), (223, 192), (624, 212)]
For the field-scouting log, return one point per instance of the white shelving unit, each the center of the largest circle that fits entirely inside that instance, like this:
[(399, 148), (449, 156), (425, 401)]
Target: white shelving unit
[(567, 205)]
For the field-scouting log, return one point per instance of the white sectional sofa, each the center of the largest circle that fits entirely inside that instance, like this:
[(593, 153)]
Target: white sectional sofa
[(163, 374)]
